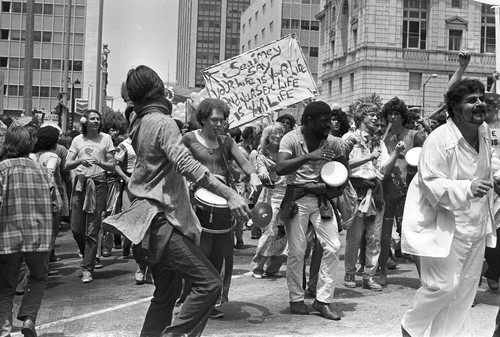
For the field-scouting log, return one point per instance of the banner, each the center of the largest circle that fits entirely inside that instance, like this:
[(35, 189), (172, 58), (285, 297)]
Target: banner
[(262, 80)]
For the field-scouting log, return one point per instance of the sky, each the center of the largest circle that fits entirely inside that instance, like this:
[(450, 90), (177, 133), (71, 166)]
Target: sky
[(139, 32)]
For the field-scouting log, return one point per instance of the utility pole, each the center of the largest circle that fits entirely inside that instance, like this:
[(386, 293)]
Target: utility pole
[(104, 83), (65, 80), (28, 58), (98, 94)]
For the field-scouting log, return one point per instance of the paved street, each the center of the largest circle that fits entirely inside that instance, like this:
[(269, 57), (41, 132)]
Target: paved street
[(113, 305)]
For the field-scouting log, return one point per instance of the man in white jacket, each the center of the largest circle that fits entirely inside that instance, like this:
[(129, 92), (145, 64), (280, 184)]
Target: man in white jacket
[(447, 218)]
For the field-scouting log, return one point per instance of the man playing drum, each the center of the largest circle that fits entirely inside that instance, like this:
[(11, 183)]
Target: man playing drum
[(302, 154)]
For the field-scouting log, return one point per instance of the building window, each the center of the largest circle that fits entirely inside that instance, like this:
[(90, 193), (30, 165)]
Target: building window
[(313, 51), (48, 9), (285, 23), (256, 16), (340, 85), (37, 36), (12, 90), (304, 24), (271, 24), (415, 81), (17, 7), (243, 48), (306, 2), (14, 62), (264, 9), (243, 28), (250, 23), (47, 36), (332, 45), (255, 40), (355, 38), (305, 50), (44, 91), (36, 91), (455, 40), (315, 25), (489, 83), (4, 61), (295, 24), (38, 9), (351, 77), (56, 64), (249, 44), (415, 24), (330, 88), (6, 6), (4, 34), (263, 33), (45, 64), (456, 3), (487, 29)]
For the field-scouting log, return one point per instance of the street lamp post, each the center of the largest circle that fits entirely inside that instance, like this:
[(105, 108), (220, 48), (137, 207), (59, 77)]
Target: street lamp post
[(423, 93), (70, 126)]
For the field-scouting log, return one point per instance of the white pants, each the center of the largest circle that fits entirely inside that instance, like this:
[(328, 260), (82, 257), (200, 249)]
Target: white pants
[(328, 236), (448, 289)]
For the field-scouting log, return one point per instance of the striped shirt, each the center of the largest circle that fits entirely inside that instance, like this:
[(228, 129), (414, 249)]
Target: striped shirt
[(27, 199)]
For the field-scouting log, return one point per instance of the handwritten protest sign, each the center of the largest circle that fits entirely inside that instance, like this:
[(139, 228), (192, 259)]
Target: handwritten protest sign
[(262, 80)]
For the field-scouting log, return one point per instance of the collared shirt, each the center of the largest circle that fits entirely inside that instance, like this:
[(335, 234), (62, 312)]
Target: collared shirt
[(27, 199), (293, 143), (158, 177), (439, 205), (363, 148)]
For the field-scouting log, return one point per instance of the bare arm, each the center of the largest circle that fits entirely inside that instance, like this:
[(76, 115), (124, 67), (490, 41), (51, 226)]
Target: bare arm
[(463, 60)]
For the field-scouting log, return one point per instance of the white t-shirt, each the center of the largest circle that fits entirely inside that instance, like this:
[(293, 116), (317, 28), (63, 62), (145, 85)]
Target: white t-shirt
[(98, 148)]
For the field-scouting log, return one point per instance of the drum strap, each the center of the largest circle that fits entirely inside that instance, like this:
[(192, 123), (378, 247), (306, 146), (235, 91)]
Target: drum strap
[(230, 178)]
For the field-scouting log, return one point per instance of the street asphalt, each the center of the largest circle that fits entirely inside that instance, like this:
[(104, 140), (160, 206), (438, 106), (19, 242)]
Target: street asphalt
[(113, 305)]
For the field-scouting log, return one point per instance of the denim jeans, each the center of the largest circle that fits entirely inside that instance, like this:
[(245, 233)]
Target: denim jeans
[(86, 226), (10, 264), (492, 256), (181, 259), (353, 240)]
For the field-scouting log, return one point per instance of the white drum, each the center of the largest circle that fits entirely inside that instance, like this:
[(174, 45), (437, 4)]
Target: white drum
[(334, 173), (413, 155), (205, 198)]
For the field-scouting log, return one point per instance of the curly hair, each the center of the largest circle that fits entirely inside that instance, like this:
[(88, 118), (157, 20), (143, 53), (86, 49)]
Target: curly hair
[(144, 84), (17, 143), (459, 90), (47, 138), (315, 110), (289, 118), (341, 117), (396, 104), (207, 106), (247, 132), (362, 111)]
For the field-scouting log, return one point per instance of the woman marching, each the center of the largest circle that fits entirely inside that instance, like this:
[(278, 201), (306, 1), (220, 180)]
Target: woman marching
[(91, 154), (213, 148), (269, 255)]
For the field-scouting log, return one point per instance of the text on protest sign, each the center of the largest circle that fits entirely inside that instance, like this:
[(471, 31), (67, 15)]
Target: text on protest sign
[(262, 80)]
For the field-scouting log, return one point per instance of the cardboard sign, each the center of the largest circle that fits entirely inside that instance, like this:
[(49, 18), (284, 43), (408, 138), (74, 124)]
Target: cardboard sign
[(262, 80)]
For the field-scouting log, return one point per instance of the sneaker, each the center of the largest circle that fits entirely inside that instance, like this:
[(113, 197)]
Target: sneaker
[(391, 264), (140, 278), (370, 283), (106, 253), (98, 264), (257, 276), (359, 272), (350, 281), (216, 314), (87, 277)]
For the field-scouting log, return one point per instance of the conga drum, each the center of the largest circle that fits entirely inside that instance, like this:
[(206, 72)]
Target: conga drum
[(212, 211)]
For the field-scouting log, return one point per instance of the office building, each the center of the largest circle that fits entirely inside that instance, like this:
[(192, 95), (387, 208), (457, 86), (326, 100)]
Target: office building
[(48, 51), (394, 47), (209, 32)]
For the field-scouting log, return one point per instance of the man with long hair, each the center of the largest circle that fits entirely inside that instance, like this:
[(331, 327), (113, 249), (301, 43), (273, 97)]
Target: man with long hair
[(161, 221)]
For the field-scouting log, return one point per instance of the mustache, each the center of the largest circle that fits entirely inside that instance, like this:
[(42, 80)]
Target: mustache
[(479, 109)]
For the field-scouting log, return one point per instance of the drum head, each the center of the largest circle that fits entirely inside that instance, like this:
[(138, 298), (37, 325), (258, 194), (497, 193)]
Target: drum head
[(412, 156), (208, 198), (334, 173)]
